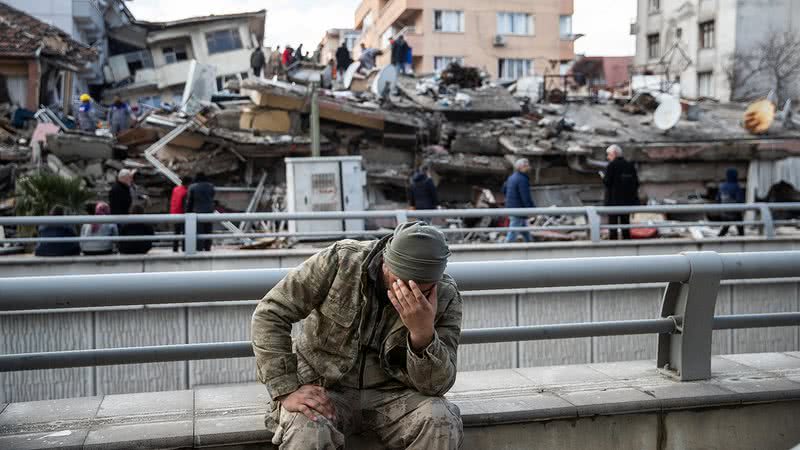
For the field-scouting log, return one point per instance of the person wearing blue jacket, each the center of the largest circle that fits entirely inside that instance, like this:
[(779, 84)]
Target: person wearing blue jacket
[(731, 192), (517, 190), (56, 231)]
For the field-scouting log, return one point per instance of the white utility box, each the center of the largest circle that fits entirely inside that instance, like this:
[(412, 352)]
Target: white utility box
[(328, 183)]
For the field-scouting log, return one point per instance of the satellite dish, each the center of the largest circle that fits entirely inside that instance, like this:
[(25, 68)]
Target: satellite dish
[(349, 73), (758, 116), (668, 112), (387, 77)]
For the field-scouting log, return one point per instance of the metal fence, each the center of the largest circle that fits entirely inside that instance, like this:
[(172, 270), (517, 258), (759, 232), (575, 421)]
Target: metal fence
[(592, 215), (684, 326)]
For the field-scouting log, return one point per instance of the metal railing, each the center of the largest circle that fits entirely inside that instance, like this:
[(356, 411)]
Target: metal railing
[(593, 223), (684, 326)]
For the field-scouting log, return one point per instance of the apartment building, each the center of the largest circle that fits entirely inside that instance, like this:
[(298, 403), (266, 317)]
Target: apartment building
[(697, 42), (507, 38), (333, 39), (151, 60)]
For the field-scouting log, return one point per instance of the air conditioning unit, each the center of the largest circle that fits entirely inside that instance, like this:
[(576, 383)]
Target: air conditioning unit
[(635, 29), (499, 40)]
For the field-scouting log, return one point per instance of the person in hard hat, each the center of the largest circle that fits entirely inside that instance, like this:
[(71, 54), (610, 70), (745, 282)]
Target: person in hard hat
[(120, 116), (87, 119)]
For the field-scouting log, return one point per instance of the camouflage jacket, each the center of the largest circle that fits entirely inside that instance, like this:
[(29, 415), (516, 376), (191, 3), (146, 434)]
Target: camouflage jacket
[(329, 291)]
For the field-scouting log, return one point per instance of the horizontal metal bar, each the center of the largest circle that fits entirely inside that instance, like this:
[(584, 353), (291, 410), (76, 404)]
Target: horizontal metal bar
[(331, 215), (566, 331), (684, 224), (224, 350), (157, 237), (785, 319), (71, 291)]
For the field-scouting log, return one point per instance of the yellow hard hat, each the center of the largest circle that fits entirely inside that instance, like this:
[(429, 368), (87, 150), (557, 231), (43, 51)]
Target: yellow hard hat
[(86, 98)]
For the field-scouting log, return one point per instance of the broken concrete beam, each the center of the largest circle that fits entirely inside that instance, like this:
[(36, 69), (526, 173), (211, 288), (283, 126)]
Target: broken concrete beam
[(272, 120), (59, 168), (486, 144), (343, 113), (139, 136), (189, 140), (77, 146)]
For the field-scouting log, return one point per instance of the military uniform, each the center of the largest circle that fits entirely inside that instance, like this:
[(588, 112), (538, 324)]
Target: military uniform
[(354, 344)]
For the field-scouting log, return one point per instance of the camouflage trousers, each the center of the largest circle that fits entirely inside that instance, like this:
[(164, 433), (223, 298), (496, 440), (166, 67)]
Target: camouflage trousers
[(401, 418)]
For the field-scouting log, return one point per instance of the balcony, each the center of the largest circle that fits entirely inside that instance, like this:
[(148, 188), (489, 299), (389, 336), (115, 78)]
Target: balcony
[(397, 10), (566, 7), (172, 74), (87, 17)]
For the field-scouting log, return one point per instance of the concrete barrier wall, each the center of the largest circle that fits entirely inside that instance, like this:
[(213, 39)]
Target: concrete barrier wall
[(174, 324), (192, 324)]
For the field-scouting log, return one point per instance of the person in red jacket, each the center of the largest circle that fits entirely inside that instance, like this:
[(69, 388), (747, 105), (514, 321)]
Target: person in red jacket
[(288, 57), (177, 205)]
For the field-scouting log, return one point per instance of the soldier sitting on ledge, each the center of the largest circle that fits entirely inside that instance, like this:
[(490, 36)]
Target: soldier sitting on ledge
[(377, 350)]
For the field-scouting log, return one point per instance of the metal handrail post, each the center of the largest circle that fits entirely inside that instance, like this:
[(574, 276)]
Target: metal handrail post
[(401, 215), (190, 233), (766, 219), (594, 223), (686, 354)]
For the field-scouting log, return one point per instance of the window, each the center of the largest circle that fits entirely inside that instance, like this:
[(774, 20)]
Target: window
[(511, 69), (174, 54), (707, 34), (565, 26), (448, 21), (653, 46), (654, 5), (515, 23), (223, 80), (678, 32), (350, 41), (705, 85), (223, 41), (441, 62)]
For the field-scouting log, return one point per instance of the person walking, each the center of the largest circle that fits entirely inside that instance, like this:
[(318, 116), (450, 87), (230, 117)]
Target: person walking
[(91, 248), (367, 58), (87, 117), (399, 54), (731, 192), (377, 351), (343, 61), (135, 229), (200, 199), (622, 188), (120, 116), (517, 190), (177, 205), (257, 61), (422, 191), (120, 198)]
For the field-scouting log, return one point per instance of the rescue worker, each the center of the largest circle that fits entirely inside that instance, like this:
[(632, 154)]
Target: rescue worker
[(87, 119), (378, 346), (120, 116)]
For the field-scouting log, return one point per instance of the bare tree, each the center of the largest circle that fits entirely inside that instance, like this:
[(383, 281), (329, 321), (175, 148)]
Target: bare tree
[(773, 64)]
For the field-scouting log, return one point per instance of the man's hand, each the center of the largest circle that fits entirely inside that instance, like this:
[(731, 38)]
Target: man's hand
[(416, 311), (310, 400)]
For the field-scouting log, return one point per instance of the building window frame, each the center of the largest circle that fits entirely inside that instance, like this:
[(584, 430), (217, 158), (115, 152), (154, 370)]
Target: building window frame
[(705, 84), (441, 25), (225, 40), (175, 53), (441, 62), (514, 68), (653, 46), (707, 34), (516, 23), (565, 32), (653, 6)]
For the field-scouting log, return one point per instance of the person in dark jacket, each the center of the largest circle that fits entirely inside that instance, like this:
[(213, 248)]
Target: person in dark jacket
[(54, 231), (399, 54), (343, 60), (731, 192), (257, 61), (622, 188), (517, 190), (135, 229), (200, 199), (120, 198), (421, 191)]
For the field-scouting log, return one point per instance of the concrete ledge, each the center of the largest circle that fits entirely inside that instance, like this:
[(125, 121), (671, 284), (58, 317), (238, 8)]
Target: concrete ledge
[(606, 405)]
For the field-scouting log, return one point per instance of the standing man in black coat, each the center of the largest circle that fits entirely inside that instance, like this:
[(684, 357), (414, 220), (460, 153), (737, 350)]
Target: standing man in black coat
[(120, 198), (200, 199), (343, 61), (257, 61), (422, 191), (622, 188)]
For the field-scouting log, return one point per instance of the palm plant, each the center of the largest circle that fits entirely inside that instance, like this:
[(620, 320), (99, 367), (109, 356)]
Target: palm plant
[(37, 194)]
